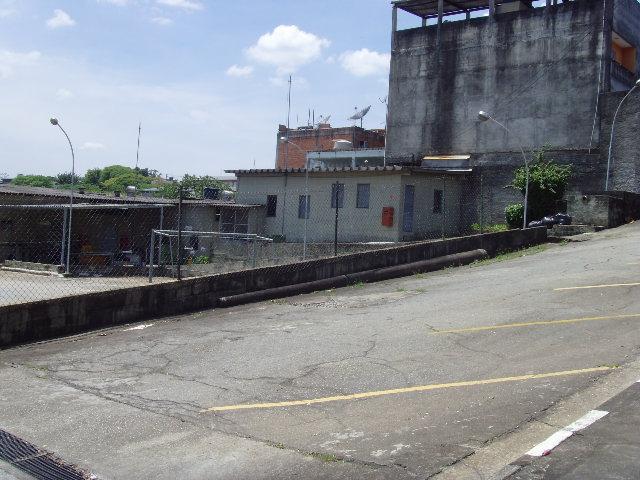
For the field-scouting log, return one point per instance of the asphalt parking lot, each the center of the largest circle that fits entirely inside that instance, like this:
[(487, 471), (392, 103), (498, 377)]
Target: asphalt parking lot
[(451, 374)]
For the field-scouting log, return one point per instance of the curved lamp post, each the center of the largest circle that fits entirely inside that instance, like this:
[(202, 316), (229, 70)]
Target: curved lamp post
[(306, 193), (613, 131), (54, 121), (483, 117)]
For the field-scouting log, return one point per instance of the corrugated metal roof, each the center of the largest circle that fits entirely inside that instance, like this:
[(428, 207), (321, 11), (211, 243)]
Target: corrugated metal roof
[(260, 171), (361, 170), (111, 199)]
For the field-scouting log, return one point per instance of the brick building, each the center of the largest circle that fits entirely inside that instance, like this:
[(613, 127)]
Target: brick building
[(322, 138)]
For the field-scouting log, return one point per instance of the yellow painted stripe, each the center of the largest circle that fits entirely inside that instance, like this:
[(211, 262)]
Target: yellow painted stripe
[(598, 286), (533, 324), (397, 391)]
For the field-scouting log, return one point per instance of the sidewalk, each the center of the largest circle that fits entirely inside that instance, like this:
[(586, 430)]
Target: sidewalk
[(607, 449)]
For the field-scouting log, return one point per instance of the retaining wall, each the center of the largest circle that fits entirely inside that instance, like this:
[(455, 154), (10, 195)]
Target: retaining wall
[(51, 318)]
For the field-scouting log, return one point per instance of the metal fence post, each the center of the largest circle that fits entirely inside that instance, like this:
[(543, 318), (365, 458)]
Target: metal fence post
[(178, 269), (255, 239), (444, 203), (64, 236), (335, 239), (481, 203), (151, 255)]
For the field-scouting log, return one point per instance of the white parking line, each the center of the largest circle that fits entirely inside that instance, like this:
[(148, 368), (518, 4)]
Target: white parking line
[(560, 436)]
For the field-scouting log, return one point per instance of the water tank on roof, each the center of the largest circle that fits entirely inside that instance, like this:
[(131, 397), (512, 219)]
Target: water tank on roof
[(342, 145), (211, 193)]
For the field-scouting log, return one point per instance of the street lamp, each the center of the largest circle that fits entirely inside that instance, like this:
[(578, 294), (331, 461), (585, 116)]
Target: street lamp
[(613, 131), (285, 140), (483, 117), (54, 121)]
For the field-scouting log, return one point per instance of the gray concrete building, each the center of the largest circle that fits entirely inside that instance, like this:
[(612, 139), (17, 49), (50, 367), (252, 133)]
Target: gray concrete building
[(376, 204), (551, 74)]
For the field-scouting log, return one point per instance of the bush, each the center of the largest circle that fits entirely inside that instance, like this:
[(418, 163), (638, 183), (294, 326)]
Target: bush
[(498, 227), (201, 260), (547, 184), (33, 181), (514, 214)]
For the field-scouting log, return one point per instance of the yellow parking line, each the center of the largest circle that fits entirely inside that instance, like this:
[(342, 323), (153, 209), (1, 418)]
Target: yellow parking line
[(598, 286), (532, 324), (397, 391)]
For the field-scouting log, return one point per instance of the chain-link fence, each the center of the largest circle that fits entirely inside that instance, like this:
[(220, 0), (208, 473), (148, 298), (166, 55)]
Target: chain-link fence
[(50, 247)]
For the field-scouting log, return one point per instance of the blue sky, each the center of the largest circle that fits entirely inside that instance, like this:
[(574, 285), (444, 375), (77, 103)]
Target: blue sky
[(207, 78)]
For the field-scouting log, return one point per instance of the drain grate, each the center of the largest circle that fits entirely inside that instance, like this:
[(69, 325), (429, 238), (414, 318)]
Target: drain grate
[(41, 464)]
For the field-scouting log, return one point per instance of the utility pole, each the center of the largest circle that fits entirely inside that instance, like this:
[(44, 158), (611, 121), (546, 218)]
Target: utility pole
[(138, 150)]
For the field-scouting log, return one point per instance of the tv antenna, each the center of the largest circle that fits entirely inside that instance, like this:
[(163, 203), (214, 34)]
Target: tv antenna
[(360, 114), (323, 120)]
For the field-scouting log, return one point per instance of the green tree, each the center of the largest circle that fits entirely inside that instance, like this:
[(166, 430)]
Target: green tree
[(92, 177), (65, 178), (112, 171), (119, 183), (192, 186), (547, 185), (34, 181)]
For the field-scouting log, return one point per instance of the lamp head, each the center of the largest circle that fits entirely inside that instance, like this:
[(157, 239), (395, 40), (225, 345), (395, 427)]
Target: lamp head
[(483, 116), (284, 139), (638, 83), (54, 121)]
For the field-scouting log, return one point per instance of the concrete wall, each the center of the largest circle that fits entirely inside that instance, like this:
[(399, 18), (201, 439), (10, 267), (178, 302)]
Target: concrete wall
[(428, 224), (51, 318), (490, 195), (536, 71), (607, 210), (625, 157)]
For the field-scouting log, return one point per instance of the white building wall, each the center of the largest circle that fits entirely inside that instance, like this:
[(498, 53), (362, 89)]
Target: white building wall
[(355, 224)]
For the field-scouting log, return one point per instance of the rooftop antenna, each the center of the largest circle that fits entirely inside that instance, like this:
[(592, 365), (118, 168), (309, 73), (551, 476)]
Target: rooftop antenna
[(322, 120), (138, 150), (360, 114)]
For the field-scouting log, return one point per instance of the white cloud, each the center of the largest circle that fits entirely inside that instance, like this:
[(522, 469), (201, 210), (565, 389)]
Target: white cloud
[(365, 62), (162, 21), (10, 60), (64, 94), (60, 19), (237, 71), (6, 12), (120, 3), (92, 146), (287, 48), (184, 4)]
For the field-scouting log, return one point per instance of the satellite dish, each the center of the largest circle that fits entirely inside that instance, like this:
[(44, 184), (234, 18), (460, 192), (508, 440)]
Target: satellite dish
[(360, 114)]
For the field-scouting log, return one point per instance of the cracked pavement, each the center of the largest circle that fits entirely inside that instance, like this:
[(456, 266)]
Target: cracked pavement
[(128, 403)]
